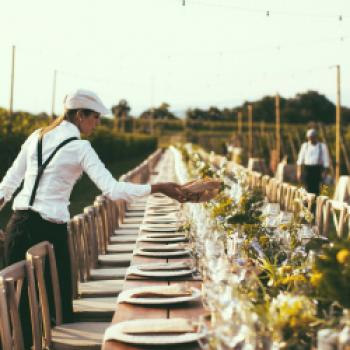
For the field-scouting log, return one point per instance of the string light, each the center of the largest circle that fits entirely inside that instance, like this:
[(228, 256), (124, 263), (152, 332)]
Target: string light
[(268, 12)]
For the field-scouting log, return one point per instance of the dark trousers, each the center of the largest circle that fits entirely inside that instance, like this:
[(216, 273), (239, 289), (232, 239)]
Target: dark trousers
[(25, 229), (312, 176)]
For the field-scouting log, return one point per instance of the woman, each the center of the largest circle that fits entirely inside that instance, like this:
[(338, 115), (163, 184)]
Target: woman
[(50, 162)]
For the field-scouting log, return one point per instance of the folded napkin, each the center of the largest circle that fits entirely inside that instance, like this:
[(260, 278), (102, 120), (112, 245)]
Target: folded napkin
[(172, 291), (202, 190), (157, 326), (164, 266)]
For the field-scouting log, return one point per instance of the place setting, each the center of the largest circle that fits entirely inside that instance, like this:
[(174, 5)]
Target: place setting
[(165, 251), (166, 219), (162, 270), (162, 227), (155, 331), (163, 237), (160, 295)]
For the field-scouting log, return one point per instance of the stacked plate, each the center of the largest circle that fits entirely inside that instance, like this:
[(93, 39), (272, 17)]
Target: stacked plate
[(161, 270), (165, 251), (163, 237)]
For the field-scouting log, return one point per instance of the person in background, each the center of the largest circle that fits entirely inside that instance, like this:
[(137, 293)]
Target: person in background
[(312, 163), (50, 162)]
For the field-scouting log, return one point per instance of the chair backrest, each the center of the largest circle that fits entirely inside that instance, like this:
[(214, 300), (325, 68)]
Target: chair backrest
[(339, 215), (103, 216), (91, 233), (321, 214), (342, 189), (100, 226), (39, 255), (79, 251), (12, 280)]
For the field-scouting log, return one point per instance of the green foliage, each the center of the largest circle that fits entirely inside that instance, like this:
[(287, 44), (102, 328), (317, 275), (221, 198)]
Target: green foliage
[(162, 113), (331, 273), (303, 108), (109, 145), (248, 210)]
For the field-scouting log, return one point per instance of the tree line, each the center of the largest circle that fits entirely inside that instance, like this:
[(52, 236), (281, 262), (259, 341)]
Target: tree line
[(302, 108)]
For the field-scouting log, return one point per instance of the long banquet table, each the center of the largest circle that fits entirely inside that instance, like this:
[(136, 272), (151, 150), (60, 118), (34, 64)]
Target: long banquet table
[(124, 311)]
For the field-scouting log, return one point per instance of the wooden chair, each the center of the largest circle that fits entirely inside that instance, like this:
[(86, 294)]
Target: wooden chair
[(103, 230), (89, 280), (321, 214), (12, 280), (264, 183), (76, 335), (336, 214)]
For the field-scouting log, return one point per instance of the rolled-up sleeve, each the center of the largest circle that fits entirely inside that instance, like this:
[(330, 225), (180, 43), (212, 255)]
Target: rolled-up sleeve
[(104, 180), (15, 174)]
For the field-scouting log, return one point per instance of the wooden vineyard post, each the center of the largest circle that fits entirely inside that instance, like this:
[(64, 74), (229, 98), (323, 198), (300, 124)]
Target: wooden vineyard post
[(278, 128), (250, 131), (239, 122)]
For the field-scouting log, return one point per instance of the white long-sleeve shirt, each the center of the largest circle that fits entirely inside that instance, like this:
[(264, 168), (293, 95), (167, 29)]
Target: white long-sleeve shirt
[(313, 154), (56, 184)]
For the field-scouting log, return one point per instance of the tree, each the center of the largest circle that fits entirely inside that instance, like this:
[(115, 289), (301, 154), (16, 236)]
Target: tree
[(120, 112), (161, 113)]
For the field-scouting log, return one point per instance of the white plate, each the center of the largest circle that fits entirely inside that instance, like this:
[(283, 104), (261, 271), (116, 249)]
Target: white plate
[(160, 220), (162, 208), (148, 238), (159, 228), (163, 254), (133, 270), (127, 297), (115, 332)]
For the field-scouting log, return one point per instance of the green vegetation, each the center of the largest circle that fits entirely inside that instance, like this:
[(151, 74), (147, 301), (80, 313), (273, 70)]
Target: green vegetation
[(303, 108)]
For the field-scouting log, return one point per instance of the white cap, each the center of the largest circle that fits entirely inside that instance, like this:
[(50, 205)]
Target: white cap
[(85, 99), (311, 133)]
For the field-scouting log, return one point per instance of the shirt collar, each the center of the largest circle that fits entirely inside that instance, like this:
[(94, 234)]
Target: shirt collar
[(72, 128)]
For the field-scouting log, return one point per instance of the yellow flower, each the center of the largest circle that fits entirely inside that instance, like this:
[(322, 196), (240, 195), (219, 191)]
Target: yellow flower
[(316, 278), (323, 257), (286, 269), (263, 240), (293, 322), (343, 256)]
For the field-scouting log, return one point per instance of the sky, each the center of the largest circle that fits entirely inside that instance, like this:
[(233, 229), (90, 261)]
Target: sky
[(188, 53)]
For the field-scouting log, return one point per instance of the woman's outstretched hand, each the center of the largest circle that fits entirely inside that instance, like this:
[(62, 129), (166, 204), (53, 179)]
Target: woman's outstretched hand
[(170, 189)]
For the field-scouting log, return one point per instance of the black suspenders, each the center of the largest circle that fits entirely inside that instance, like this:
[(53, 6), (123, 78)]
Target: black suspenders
[(41, 166)]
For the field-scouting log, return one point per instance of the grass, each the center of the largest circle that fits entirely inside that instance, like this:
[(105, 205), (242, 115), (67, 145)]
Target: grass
[(84, 191)]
